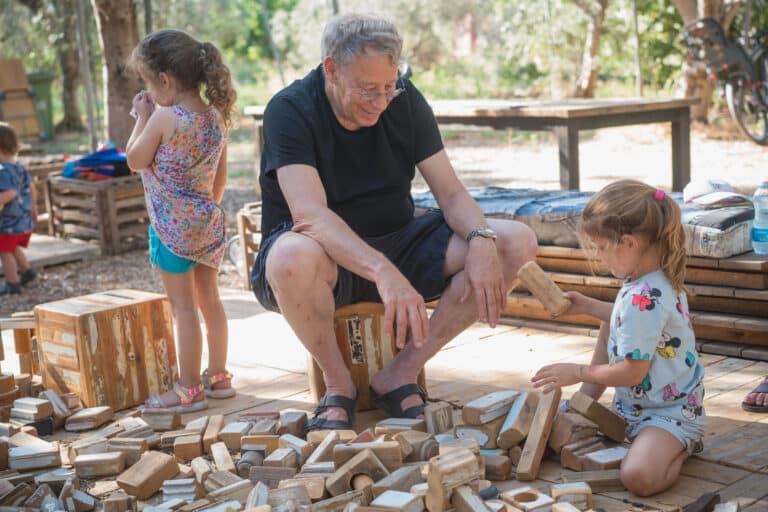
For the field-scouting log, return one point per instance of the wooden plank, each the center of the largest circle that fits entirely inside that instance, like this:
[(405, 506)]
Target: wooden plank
[(743, 448), (538, 435)]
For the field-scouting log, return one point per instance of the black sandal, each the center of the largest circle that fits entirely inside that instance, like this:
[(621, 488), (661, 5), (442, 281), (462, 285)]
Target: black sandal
[(390, 402), (348, 404)]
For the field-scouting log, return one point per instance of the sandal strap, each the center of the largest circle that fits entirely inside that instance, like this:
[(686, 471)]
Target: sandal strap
[(187, 394), (761, 388), (211, 380), (348, 404)]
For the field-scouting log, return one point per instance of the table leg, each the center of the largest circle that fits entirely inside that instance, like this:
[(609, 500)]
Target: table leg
[(568, 143), (681, 150)]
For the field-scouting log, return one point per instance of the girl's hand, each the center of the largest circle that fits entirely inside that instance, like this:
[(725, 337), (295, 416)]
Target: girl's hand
[(579, 304), (143, 106), (556, 376)]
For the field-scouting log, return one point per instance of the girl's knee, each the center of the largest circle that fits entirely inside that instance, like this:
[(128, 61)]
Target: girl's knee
[(640, 480)]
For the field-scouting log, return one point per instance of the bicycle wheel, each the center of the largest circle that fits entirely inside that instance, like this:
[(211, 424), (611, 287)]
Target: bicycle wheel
[(749, 105)]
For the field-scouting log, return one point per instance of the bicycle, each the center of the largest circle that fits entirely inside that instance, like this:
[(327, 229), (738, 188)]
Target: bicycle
[(744, 74)]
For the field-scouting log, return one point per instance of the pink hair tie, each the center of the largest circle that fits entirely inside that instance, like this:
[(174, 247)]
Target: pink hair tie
[(659, 194)]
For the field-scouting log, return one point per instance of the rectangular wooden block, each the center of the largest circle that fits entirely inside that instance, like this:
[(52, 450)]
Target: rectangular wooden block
[(610, 423), (267, 444), (315, 437), (398, 500), (464, 499), (202, 468), (438, 417), (270, 476), (221, 457), (447, 472), (518, 420), (395, 425), (264, 427), (28, 408), (110, 348), (569, 427), (218, 479), (211, 435), (315, 485), (231, 434), (361, 497), (608, 480), (119, 502), (388, 452), (187, 448), (323, 452), (543, 288), (538, 435), (608, 458), (402, 479), (132, 448), (238, 491), (89, 419), (145, 478), (298, 494), (364, 463), (27, 452), (302, 448), (292, 422), (95, 444), (161, 420), (488, 407), (570, 455), (497, 467), (485, 434), (557, 491), (97, 465), (168, 439), (283, 458)]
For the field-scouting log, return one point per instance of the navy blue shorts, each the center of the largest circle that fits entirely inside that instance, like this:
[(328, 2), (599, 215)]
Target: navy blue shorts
[(417, 250)]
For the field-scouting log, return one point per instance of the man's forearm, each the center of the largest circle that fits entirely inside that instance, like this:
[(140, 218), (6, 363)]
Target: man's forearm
[(462, 214)]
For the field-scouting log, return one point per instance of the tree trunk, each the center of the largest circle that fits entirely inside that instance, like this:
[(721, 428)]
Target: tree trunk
[(69, 62), (590, 63), (118, 36)]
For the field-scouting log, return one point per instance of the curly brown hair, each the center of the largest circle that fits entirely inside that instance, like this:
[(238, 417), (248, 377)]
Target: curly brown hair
[(631, 207), (9, 143), (193, 63)]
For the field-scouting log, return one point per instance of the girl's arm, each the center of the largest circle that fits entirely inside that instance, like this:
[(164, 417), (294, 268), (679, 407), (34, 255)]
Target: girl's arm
[(7, 195), (629, 372), (583, 305), (221, 177), (147, 135)]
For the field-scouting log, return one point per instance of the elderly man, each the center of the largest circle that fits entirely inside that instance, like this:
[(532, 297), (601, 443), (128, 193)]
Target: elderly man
[(340, 147)]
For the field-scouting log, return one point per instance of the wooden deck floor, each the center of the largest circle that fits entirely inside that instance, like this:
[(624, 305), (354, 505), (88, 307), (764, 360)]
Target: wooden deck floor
[(269, 364)]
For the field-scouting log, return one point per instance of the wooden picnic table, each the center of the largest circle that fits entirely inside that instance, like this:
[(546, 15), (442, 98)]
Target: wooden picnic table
[(566, 118)]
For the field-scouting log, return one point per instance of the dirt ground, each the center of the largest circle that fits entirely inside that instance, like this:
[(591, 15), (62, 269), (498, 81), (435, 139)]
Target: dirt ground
[(481, 159)]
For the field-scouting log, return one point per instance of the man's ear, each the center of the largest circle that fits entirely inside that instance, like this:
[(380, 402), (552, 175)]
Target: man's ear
[(330, 67)]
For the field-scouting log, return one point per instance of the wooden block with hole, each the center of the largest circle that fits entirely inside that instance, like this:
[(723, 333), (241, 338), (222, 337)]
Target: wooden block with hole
[(538, 435), (570, 454), (608, 480), (518, 420), (447, 472), (145, 478), (398, 501), (161, 420), (292, 422), (488, 407), (572, 489), (89, 419), (231, 434), (97, 465), (527, 498), (486, 434), (423, 445), (270, 476), (607, 458), (267, 444), (543, 288), (345, 478), (464, 499), (211, 435), (388, 452), (221, 457), (303, 449), (569, 427), (610, 423), (283, 458), (438, 417), (402, 479), (132, 448), (187, 448), (315, 485)]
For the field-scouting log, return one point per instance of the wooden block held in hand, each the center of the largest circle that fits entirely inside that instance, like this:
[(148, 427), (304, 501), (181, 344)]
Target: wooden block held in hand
[(518, 420), (488, 407), (145, 478), (569, 427), (364, 463), (438, 417), (538, 435), (543, 288), (610, 423)]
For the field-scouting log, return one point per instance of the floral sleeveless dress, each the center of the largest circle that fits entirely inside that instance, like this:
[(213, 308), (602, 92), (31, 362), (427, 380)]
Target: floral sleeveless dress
[(178, 188)]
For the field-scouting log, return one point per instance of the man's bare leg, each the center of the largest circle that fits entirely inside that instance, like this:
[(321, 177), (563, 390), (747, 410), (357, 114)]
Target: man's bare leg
[(516, 244), (303, 277)]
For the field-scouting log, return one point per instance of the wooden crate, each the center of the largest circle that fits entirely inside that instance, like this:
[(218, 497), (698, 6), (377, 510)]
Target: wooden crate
[(111, 348), (364, 347), (40, 168), (249, 229), (112, 212)]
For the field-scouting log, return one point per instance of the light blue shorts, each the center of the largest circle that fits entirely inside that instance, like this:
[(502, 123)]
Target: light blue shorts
[(160, 256)]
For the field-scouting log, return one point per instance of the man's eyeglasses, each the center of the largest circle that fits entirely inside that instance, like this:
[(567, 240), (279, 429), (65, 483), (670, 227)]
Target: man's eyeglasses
[(371, 96)]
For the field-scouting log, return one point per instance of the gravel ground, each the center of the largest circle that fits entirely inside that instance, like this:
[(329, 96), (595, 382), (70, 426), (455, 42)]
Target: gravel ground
[(641, 152)]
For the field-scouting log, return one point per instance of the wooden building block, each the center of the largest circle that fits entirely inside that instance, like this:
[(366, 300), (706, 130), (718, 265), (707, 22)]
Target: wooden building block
[(270, 476), (168, 439), (569, 427), (231, 433), (610, 423), (292, 422), (315, 437), (197, 425), (464, 499), (219, 479), (93, 444), (111, 348), (323, 452), (7, 429), (395, 425), (608, 458), (518, 420), (247, 460), (363, 463), (132, 428), (570, 454), (315, 485), (27, 452), (467, 443), (28, 408), (37, 498), (366, 436), (221, 457), (89, 419), (201, 468), (538, 435), (211, 435), (488, 407), (447, 472), (543, 288), (283, 458), (264, 427), (608, 480), (497, 467), (729, 506), (360, 497), (298, 494), (398, 500), (132, 448), (238, 491), (187, 448), (564, 506), (267, 444), (388, 452), (97, 465), (402, 479), (303, 449), (56, 478), (438, 417), (161, 420), (185, 489), (320, 468), (60, 409), (485, 434), (572, 489), (423, 445), (145, 478), (119, 502), (527, 498)]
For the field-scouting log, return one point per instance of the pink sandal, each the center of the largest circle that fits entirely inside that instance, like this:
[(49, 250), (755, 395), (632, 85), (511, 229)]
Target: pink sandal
[(187, 402), (209, 381)]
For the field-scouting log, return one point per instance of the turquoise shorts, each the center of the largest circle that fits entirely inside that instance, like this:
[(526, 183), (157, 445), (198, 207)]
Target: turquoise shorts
[(160, 256)]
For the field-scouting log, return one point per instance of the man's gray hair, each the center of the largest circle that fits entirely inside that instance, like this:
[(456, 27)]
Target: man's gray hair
[(348, 36)]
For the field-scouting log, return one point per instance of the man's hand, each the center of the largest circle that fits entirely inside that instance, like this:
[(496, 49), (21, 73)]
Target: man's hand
[(483, 278), (556, 376), (403, 307)]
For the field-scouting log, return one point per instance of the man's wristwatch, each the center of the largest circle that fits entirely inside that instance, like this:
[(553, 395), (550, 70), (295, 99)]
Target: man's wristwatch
[(483, 232)]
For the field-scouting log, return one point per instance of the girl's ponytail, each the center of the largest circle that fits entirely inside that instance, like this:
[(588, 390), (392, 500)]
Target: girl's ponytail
[(672, 243), (217, 82)]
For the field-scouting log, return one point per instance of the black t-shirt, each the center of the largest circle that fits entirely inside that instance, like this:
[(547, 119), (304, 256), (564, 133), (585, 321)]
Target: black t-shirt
[(366, 173)]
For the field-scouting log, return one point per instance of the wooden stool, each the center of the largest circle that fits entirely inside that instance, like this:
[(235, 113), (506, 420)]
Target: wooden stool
[(365, 348)]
